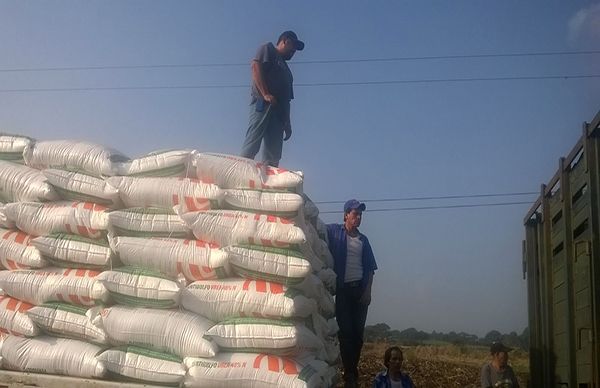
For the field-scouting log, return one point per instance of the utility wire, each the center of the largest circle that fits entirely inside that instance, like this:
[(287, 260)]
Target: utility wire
[(358, 83), (433, 198), (433, 207), (324, 61)]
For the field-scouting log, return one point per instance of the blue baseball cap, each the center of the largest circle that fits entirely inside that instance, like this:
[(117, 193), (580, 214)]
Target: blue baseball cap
[(354, 204)]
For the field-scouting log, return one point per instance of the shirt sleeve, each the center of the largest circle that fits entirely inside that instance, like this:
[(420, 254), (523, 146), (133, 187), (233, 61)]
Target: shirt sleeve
[(369, 256), (263, 54)]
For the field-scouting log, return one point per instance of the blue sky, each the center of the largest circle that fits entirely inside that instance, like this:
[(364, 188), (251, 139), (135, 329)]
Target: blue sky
[(450, 269)]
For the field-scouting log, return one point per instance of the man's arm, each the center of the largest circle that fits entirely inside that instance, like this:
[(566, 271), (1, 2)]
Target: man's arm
[(259, 81)]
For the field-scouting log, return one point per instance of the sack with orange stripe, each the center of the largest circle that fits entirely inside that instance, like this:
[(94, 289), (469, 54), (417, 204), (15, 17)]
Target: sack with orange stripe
[(280, 203), (227, 298), (173, 331), (83, 218), (285, 266), (138, 286), (235, 172), (60, 356), (80, 186), (261, 335), (17, 251), (14, 319), (76, 286), (228, 227), (12, 146), (194, 259), (76, 155), (22, 183), (67, 320), (170, 163), (147, 222), (185, 193), (233, 370)]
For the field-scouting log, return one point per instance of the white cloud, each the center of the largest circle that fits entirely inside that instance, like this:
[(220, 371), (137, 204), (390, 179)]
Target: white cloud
[(585, 24)]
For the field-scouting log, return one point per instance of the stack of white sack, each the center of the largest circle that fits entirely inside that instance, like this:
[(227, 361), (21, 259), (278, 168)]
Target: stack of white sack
[(55, 217), (201, 253)]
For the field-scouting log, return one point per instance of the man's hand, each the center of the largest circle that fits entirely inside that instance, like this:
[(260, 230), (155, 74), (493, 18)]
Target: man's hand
[(287, 129), (270, 99), (365, 299)]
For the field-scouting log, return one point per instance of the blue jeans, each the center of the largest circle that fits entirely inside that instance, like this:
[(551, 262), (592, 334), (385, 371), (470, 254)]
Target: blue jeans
[(265, 127), (351, 317)]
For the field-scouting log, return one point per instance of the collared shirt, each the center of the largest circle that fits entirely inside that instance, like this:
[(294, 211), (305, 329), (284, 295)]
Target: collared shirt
[(382, 380), (338, 246)]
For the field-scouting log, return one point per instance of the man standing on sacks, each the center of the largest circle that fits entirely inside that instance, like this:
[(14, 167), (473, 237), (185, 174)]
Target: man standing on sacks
[(272, 91), (354, 265)]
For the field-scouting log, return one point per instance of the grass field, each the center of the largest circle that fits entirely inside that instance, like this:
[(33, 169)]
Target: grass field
[(439, 366)]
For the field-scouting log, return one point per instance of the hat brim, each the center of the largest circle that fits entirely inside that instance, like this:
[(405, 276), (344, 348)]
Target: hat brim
[(299, 45)]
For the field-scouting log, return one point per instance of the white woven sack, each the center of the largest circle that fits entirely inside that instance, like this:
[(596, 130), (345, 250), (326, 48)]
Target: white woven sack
[(74, 251), (169, 163), (67, 320), (21, 183), (310, 255), (76, 286), (14, 319), (235, 172), (79, 186), (185, 193), (228, 227), (51, 355), (83, 218), (17, 252), (136, 286), (150, 222), (176, 332), (234, 370), (4, 221), (280, 337), (314, 288), (284, 204), (12, 146), (228, 298), (144, 365), (195, 259), (280, 265), (74, 155)]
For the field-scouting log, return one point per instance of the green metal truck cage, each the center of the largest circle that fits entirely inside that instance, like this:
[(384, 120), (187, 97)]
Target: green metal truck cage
[(561, 262)]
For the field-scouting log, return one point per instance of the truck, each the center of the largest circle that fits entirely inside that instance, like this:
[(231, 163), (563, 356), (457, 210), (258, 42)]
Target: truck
[(561, 264)]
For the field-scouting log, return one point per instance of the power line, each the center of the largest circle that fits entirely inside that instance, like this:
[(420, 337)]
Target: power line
[(434, 198), (324, 61), (433, 207), (357, 83)]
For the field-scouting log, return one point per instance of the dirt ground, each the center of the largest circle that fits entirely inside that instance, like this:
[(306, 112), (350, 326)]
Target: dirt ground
[(439, 366)]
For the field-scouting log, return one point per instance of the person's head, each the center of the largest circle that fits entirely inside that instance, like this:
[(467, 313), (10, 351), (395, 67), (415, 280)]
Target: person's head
[(499, 354), (288, 43), (393, 359), (353, 210)]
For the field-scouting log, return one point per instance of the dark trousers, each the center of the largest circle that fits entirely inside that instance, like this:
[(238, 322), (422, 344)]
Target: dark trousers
[(351, 317)]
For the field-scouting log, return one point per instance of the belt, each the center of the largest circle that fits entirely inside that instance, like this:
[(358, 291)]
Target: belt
[(353, 284)]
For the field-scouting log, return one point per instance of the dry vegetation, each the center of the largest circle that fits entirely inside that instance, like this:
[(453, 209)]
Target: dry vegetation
[(443, 366)]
